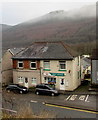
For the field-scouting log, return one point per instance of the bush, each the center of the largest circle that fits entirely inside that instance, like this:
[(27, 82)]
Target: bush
[(26, 112)]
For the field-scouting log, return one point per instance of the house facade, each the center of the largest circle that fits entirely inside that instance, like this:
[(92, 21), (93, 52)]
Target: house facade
[(94, 68), (7, 66), (85, 68), (47, 62)]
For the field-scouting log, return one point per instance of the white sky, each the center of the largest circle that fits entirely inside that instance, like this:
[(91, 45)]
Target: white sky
[(16, 11)]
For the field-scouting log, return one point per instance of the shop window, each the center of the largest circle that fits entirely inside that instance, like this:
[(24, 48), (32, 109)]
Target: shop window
[(46, 64), (33, 64), (62, 65), (20, 79), (20, 64), (50, 80)]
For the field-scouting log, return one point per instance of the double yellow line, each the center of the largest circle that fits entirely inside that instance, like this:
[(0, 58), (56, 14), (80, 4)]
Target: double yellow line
[(77, 109)]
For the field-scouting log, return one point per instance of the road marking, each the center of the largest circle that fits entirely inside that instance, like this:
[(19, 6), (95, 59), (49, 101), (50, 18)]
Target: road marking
[(86, 100), (34, 101), (82, 97), (9, 110), (68, 97), (73, 97), (77, 109)]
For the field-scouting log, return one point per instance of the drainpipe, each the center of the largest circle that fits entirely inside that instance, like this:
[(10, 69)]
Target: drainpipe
[(40, 74)]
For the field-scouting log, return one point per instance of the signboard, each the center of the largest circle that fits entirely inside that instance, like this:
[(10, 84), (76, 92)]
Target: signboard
[(57, 74)]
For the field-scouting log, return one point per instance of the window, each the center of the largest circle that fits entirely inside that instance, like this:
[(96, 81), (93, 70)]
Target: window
[(20, 79), (33, 64), (49, 80), (20, 64), (62, 65), (33, 80), (46, 64)]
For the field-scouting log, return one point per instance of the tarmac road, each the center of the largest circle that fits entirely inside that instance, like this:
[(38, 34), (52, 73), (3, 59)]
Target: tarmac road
[(62, 106)]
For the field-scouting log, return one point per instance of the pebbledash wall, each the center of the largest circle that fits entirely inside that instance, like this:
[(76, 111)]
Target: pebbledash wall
[(7, 69), (71, 75)]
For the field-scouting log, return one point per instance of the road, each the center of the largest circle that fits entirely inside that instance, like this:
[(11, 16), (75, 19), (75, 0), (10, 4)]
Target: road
[(60, 106)]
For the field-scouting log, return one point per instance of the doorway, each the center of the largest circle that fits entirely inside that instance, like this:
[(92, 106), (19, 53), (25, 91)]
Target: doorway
[(62, 84), (26, 82)]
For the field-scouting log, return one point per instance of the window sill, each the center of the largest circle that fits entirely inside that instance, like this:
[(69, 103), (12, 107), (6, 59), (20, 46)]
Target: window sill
[(33, 68), (62, 70), (46, 69)]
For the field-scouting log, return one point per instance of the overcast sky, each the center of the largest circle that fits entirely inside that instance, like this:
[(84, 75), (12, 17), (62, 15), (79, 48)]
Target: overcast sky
[(13, 13)]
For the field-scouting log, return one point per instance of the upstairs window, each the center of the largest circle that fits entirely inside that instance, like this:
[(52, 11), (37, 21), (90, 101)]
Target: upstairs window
[(33, 64), (46, 64), (62, 65), (20, 64)]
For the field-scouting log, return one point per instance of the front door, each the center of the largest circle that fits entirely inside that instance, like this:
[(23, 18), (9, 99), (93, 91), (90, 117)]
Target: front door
[(26, 82), (62, 84)]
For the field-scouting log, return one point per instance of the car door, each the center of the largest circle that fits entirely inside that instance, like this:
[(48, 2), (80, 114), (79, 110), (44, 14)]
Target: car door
[(15, 89), (46, 90)]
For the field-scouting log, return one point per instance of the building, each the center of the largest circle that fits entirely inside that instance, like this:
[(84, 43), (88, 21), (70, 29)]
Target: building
[(85, 68), (6, 65), (47, 62), (94, 67)]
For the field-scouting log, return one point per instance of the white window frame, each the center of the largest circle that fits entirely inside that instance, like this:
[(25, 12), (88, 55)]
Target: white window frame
[(64, 62), (20, 79), (33, 79), (31, 63), (46, 61), (20, 61)]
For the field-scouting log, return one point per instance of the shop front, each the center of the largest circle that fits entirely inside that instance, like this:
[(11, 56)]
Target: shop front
[(55, 79)]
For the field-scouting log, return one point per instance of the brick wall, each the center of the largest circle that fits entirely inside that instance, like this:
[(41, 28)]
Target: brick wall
[(15, 64), (26, 64), (38, 64)]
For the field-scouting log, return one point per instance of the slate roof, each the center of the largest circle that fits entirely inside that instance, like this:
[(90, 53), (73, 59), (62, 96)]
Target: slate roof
[(15, 50), (87, 60), (47, 50)]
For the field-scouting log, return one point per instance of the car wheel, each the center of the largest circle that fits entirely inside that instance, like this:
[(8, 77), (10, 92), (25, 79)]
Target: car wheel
[(21, 92), (8, 91), (52, 94), (37, 93)]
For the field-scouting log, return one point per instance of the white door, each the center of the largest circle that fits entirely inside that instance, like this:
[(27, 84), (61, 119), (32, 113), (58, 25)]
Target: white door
[(26, 82), (62, 84)]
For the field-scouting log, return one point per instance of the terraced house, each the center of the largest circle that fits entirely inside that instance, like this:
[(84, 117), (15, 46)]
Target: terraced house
[(47, 62)]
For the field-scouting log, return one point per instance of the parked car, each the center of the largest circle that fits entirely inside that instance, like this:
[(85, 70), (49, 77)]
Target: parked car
[(45, 89), (17, 88)]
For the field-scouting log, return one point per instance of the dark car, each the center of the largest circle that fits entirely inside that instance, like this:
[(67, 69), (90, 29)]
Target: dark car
[(45, 89), (17, 88)]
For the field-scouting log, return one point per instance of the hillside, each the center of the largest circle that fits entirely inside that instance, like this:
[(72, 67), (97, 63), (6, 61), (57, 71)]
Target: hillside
[(4, 27), (70, 27)]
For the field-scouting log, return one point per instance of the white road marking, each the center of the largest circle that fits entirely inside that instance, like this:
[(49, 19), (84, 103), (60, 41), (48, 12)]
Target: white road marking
[(9, 110), (68, 97), (82, 97), (73, 97), (34, 101), (86, 100)]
